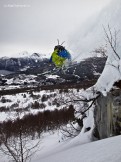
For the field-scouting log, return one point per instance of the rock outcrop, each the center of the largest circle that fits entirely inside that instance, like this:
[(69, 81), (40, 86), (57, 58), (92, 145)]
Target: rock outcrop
[(107, 114)]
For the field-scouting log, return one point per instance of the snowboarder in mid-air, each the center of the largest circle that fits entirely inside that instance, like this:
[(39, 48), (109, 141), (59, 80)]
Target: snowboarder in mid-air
[(60, 56)]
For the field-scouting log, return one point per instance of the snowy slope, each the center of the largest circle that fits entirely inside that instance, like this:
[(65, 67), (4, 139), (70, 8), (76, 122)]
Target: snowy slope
[(91, 34), (107, 150), (51, 150)]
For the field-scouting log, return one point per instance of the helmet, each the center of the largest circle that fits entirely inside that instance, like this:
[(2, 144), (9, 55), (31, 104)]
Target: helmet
[(59, 48)]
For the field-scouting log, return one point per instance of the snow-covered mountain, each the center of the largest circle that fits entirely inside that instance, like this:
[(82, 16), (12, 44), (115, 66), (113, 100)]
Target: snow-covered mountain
[(24, 61), (91, 35), (35, 55), (89, 69)]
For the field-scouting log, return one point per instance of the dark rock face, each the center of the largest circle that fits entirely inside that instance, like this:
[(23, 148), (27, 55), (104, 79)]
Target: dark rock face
[(108, 114)]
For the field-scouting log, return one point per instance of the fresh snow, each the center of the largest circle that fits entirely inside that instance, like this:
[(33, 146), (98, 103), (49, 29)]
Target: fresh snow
[(100, 151), (74, 151), (110, 74), (52, 76)]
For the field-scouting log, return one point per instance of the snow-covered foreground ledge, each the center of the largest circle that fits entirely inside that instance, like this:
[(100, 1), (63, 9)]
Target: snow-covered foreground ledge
[(107, 150)]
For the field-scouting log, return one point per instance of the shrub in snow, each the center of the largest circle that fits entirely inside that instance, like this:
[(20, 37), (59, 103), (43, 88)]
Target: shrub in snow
[(55, 102), (72, 129), (44, 98), (18, 148), (35, 105), (49, 103), (42, 105), (4, 100), (14, 105), (4, 109), (24, 95)]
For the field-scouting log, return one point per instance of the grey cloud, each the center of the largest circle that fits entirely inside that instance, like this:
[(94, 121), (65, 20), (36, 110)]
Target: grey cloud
[(39, 24)]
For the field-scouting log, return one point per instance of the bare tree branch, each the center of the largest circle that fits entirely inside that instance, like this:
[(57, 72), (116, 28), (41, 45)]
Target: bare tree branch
[(112, 41)]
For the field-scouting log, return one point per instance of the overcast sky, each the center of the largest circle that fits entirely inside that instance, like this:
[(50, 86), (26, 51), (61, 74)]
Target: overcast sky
[(35, 25)]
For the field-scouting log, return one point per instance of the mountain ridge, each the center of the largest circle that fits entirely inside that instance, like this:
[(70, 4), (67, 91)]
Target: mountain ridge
[(88, 69)]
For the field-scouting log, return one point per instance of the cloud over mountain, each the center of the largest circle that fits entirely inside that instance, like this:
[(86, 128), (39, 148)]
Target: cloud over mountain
[(91, 34)]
